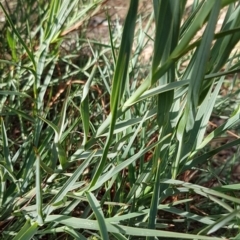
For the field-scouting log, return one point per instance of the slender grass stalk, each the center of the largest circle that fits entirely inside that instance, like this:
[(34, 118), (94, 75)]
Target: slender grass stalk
[(119, 80)]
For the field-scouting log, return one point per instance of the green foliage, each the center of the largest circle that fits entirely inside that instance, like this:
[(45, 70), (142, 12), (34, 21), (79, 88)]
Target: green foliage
[(105, 145)]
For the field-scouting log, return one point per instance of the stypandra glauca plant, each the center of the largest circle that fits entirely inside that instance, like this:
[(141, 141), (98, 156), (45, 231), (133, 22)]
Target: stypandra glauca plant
[(111, 145)]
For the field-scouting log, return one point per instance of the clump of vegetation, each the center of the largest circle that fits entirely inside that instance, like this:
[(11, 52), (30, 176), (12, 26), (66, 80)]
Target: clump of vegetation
[(105, 145)]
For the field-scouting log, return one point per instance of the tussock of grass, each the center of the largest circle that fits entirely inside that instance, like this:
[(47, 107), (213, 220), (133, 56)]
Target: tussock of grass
[(98, 142)]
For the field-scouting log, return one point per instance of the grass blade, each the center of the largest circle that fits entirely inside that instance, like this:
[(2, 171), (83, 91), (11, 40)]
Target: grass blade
[(132, 231), (27, 231), (84, 108), (119, 80), (38, 188), (99, 214), (68, 184)]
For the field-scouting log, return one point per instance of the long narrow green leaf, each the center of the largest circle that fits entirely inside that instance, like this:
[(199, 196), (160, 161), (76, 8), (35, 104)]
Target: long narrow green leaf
[(203, 116), (186, 123), (196, 25), (206, 219), (201, 189), (28, 51), (165, 41), (12, 44), (232, 121), (74, 233), (125, 163), (38, 188), (84, 107), (205, 157), (8, 171), (6, 151), (62, 120), (23, 114), (133, 231), (99, 214), (119, 80), (57, 145), (68, 184), (22, 94), (200, 66), (156, 190), (27, 231), (223, 46)]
